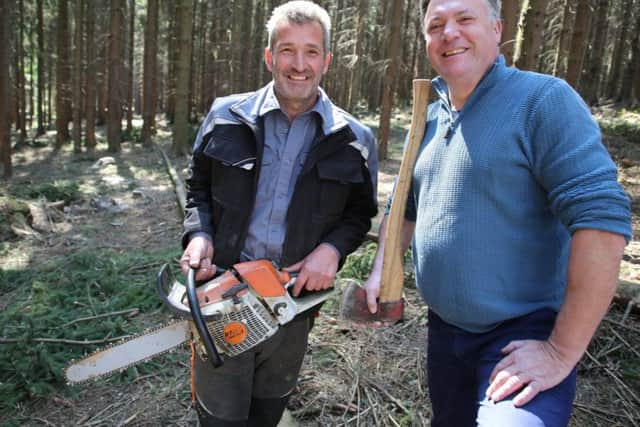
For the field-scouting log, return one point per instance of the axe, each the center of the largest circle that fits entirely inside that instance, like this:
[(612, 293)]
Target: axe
[(391, 304)]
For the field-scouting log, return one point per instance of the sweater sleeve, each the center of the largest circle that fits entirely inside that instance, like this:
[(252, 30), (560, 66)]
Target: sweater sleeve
[(573, 165)]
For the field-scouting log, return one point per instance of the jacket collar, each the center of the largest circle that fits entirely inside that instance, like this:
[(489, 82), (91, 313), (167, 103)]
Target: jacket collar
[(264, 100)]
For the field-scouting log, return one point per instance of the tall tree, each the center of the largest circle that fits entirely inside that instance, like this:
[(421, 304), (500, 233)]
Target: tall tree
[(531, 25), (5, 127), (21, 97), (510, 13), (114, 121), (41, 67), (355, 72), (77, 78), (615, 72), (183, 71), (130, 83), (90, 100), (63, 76), (149, 91), (578, 42), (389, 84), (632, 68), (591, 78), (562, 45)]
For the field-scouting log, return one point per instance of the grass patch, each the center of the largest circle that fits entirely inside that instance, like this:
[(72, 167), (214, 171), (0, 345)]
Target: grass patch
[(45, 299), (66, 190), (623, 123)]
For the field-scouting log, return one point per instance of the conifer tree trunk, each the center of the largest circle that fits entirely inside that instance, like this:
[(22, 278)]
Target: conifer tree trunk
[(355, 72), (510, 14), (21, 95), (149, 91), (531, 25), (90, 100), (5, 127), (560, 58), (578, 42), (114, 121), (389, 84), (63, 92), (132, 27), (41, 68), (183, 72), (77, 78), (615, 73), (627, 89), (591, 79)]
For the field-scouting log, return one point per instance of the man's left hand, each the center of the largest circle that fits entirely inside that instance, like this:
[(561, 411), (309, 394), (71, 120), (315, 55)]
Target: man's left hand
[(530, 365), (317, 270)]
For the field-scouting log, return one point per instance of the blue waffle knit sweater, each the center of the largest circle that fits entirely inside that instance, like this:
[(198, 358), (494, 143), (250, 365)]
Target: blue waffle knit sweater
[(497, 191)]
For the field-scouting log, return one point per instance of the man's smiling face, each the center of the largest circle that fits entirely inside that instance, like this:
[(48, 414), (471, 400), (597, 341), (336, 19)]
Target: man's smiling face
[(462, 38)]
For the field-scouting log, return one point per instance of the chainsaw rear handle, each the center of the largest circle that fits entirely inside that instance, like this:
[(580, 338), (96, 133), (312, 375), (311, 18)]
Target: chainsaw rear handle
[(198, 320)]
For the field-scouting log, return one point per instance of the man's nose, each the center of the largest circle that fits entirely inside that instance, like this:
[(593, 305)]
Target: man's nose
[(299, 62), (450, 30)]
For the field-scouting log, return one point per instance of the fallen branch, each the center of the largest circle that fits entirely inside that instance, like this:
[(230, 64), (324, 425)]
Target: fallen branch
[(131, 312), (178, 186)]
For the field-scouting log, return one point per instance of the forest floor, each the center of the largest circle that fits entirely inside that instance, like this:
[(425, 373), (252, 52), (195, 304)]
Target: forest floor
[(122, 222)]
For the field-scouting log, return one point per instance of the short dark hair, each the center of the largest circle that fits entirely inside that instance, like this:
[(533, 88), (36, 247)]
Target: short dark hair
[(495, 7)]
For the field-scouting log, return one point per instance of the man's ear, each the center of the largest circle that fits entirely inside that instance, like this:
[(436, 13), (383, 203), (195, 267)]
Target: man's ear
[(268, 58), (327, 61)]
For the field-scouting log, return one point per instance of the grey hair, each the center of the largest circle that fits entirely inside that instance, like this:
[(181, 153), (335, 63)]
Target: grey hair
[(495, 8), (300, 12)]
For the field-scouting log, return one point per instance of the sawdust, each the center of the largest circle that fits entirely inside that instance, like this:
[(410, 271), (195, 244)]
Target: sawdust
[(351, 376)]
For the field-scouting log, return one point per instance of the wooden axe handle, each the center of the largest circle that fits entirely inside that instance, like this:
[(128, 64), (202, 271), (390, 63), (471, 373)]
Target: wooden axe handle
[(392, 276)]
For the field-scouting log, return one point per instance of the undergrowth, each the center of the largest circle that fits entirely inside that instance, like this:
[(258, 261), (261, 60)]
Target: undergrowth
[(44, 302)]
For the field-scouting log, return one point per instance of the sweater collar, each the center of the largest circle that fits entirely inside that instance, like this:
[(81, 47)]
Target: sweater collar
[(495, 73)]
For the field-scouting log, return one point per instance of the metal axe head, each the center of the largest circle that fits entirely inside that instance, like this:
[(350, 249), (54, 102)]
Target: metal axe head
[(354, 307)]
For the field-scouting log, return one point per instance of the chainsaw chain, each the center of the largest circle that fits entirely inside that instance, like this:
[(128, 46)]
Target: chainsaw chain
[(117, 343)]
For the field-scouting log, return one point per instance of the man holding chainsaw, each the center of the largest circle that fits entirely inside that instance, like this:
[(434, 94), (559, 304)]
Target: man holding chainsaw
[(283, 174), (517, 225)]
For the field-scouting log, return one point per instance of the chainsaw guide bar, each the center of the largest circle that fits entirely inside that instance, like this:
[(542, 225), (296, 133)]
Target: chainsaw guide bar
[(130, 351)]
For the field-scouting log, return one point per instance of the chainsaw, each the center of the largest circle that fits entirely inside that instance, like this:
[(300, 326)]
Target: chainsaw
[(230, 314)]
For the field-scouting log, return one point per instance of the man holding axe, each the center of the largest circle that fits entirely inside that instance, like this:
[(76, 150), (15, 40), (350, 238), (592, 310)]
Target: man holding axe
[(517, 225)]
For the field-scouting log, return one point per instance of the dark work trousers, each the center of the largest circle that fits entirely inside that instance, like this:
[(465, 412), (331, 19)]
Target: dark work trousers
[(252, 388), (459, 364)]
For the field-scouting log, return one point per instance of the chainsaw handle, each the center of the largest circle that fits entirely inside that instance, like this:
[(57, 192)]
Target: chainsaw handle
[(198, 320)]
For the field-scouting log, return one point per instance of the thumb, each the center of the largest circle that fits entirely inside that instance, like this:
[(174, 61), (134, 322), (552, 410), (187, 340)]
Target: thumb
[(372, 302)]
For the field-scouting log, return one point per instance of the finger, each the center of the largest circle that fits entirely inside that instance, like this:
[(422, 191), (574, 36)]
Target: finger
[(372, 300), (295, 267), (184, 264), (527, 394), (204, 272), (495, 383), (511, 385), (502, 364), (301, 282), (513, 345)]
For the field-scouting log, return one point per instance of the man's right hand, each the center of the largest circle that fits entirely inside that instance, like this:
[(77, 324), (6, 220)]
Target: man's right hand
[(198, 255)]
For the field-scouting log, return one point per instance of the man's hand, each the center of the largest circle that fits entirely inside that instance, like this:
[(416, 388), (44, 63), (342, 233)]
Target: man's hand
[(317, 270), (198, 254), (530, 365), (372, 288)]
